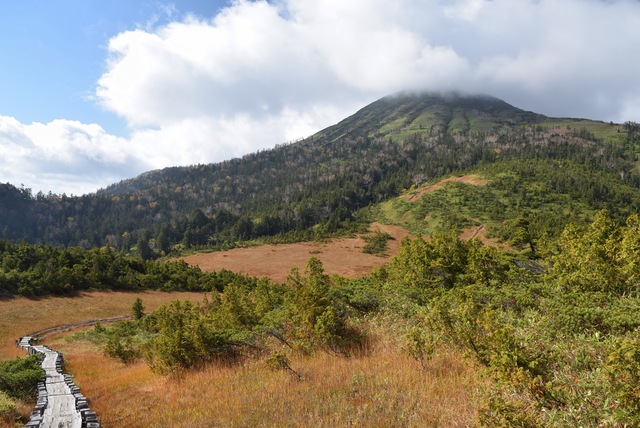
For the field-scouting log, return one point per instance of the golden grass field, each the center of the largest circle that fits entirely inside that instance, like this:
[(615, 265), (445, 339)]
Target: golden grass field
[(382, 387), (339, 256), (20, 316)]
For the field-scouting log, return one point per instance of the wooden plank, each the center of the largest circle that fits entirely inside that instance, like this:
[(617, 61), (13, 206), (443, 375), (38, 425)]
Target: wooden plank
[(60, 404), (60, 411)]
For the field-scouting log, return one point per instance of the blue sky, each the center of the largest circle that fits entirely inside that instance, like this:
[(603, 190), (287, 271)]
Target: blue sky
[(54, 52), (93, 92)]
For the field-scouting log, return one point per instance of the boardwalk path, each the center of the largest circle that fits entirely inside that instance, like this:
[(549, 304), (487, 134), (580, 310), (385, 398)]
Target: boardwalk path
[(60, 404), (61, 408)]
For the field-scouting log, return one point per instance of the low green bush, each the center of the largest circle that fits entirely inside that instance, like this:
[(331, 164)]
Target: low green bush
[(19, 378)]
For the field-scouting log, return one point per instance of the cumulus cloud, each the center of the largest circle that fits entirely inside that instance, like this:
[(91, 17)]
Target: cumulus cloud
[(260, 58), (204, 89), (62, 156)]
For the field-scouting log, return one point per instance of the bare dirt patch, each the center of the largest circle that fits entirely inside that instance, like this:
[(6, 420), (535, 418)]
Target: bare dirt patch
[(473, 180), (480, 232), (339, 256)]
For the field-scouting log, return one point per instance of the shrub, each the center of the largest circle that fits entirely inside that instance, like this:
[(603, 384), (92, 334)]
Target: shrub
[(320, 319), (9, 413), (279, 361), (122, 349), (421, 344), (376, 243), (19, 378), (623, 372), (137, 309)]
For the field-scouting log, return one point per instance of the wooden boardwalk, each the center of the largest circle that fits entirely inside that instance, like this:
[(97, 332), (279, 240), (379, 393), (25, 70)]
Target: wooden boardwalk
[(60, 403), (61, 411)]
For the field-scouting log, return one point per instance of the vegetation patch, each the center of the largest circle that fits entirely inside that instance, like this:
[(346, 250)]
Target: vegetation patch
[(9, 413), (37, 270), (555, 349), (473, 180), (341, 256), (234, 324), (19, 378), (376, 243)]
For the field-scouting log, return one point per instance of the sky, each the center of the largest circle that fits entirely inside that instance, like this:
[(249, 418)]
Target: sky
[(93, 92)]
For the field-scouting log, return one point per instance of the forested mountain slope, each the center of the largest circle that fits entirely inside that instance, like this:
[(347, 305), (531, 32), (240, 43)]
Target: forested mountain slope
[(514, 201), (388, 146)]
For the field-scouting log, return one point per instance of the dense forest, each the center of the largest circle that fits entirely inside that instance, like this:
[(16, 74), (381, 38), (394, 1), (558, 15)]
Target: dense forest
[(315, 186)]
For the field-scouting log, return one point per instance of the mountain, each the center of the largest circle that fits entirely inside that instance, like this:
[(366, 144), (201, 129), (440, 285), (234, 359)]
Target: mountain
[(318, 184), (403, 115), (396, 117)]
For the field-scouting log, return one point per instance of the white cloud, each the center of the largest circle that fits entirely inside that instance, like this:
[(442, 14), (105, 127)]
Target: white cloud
[(257, 74), (259, 58), (62, 156), (464, 10)]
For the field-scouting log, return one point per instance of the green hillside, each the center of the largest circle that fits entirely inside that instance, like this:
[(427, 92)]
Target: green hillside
[(314, 187), (544, 194), (404, 115)]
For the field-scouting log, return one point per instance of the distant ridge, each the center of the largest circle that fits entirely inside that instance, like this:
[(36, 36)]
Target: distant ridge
[(396, 116)]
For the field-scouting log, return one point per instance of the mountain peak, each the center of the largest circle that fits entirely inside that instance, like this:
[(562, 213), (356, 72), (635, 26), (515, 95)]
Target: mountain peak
[(403, 114)]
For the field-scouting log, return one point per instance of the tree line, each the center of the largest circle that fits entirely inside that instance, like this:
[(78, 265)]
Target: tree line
[(42, 269)]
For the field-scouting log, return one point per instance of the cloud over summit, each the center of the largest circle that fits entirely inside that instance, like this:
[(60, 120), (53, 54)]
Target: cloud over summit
[(204, 89)]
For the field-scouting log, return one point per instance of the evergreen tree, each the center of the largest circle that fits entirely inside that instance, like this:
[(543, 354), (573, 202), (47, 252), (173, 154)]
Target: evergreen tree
[(137, 309)]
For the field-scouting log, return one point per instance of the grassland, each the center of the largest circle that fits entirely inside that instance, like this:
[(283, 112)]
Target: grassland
[(20, 316), (339, 256), (612, 133), (407, 211), (383, 387), (380, 387)]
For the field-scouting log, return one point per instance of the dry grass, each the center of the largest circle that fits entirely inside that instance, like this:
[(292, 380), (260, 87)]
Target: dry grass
[(20, 316), (11, 412), (383, 388), (473, 180), (338, 256)]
